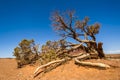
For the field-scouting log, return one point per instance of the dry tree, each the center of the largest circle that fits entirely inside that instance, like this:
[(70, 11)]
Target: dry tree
[(67, 25)]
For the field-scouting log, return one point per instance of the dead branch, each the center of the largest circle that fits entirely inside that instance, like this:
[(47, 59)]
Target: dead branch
[(100, 65), (78, 59), (84, 56), (42, 66), (72, 56), (87, 41), (71, 49)]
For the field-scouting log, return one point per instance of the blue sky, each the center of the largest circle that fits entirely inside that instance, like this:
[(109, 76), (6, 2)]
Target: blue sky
[(29, 19)]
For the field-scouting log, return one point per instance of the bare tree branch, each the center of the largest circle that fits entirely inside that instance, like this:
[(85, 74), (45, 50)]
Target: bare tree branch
[(100, 65), (42, 66), (85, 56)]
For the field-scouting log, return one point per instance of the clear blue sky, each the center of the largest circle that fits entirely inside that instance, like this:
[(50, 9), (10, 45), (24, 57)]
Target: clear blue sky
[(29, 19)]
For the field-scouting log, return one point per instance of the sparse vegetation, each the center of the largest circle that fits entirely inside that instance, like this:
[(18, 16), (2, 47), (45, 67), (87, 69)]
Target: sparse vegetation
[(55, 53), (49, 51), (26, 52)]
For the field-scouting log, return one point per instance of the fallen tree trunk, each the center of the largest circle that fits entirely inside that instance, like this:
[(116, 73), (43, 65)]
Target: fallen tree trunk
[(79, 59), (84, 56), (100, 65), (45, 65)]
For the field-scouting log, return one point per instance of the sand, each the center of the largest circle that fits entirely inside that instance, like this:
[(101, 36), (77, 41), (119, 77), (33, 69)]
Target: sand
[(68, 71)]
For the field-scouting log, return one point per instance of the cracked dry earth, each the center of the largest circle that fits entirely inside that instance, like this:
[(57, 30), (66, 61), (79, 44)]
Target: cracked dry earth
[(68, 71)]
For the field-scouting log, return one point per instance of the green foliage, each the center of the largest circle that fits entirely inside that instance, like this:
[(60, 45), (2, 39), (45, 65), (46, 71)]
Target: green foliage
[(26, 52), (50, 49)]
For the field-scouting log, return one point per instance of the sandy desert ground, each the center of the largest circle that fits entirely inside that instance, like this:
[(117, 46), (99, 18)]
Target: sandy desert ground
[(68, 71)]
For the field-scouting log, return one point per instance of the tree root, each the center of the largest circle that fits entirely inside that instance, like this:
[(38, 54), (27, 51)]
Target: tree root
[(45, 65), (100, 65), (79, 60), (49, 66)]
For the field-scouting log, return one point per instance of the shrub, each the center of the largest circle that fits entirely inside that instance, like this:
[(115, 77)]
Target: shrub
[(50, 49), (26, 52)]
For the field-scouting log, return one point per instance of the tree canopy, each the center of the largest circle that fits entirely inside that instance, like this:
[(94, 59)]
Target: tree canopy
[(68, 25)]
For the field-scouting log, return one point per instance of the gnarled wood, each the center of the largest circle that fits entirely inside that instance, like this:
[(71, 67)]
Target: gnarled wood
[(84, 56), (71, 49), (100, 50), (78, 59), (72, 56), (100, 65), (42, 66)]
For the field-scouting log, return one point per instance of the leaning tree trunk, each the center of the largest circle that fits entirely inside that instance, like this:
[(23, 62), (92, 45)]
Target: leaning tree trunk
[(95, 49), (100, 50)]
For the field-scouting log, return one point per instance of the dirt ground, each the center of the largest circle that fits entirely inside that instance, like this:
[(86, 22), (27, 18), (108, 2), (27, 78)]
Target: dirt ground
[(68, 71)]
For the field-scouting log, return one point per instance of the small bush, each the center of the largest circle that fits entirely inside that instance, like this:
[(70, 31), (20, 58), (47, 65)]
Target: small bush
[(26, 52), (49, 51)]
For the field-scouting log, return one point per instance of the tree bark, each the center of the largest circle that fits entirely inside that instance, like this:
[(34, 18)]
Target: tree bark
[(71, 49), (45, 65), (100, 50), (100, 65), (79, 59)]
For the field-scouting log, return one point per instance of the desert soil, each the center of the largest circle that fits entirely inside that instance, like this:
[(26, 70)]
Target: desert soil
[(68, 71)]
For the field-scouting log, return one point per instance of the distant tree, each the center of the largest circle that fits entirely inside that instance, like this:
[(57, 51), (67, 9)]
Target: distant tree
[(26, 52), (69, 26)]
